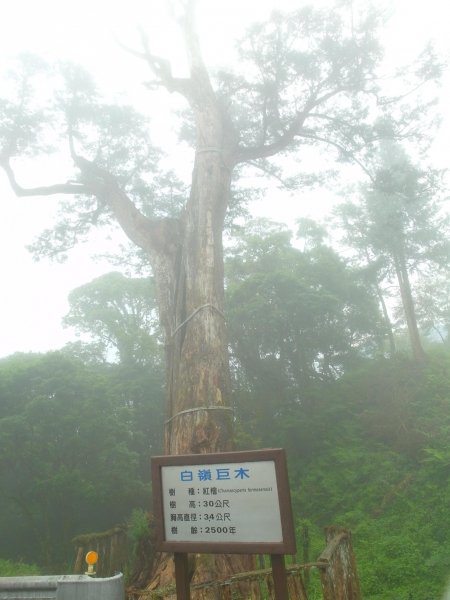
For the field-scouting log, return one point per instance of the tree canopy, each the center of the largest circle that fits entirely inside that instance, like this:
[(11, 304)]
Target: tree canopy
[(306, 309), (119, 313)]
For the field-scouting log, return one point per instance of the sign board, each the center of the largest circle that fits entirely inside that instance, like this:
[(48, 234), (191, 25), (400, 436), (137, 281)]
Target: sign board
[(230, 502)]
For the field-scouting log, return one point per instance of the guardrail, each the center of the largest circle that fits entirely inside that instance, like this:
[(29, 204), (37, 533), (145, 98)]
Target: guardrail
[(61, 587)]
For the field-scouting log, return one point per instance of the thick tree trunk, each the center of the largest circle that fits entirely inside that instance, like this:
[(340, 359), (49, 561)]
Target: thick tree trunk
[(188, 272), (199, 415), (408, 306), (198, 378)]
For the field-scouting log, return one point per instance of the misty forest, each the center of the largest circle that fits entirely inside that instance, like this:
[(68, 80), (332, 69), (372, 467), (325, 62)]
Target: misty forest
[(327, 337)]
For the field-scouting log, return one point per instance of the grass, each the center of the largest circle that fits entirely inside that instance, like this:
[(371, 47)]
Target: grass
[(9, 568)]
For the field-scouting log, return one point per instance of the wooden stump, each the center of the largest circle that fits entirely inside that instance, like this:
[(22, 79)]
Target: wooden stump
[(339, 577)]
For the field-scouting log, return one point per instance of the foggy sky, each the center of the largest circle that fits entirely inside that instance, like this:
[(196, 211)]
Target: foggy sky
[(34, 295)]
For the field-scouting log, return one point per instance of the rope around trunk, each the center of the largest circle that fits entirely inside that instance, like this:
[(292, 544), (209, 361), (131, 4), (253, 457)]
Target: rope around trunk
[(193, 315), (189, 410)]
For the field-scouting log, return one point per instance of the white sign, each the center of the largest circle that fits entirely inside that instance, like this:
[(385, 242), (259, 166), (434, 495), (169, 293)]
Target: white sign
[(226, 502)]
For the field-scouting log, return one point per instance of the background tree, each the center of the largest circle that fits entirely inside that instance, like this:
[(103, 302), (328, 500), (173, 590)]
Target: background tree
[(307, 308), (398, 228), (295, 318), (120, 314), (432, 302)]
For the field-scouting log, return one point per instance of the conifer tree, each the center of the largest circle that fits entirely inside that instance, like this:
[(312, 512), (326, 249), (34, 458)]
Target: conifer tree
[(308, 78)]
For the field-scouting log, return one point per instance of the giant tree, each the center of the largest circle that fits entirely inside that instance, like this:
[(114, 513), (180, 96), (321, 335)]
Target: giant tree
[(308, 78)]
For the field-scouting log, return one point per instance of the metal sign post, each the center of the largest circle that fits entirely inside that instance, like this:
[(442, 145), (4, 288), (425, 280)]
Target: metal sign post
[(224, 503)]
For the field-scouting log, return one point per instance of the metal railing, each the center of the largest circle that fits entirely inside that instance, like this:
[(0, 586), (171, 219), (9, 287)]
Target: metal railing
[(61, 587)]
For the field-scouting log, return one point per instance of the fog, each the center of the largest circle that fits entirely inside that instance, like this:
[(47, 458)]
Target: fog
[(34, 295)]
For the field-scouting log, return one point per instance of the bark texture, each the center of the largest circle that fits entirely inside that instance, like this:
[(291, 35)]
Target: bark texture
[(408, 306), (187, 263), (189, 281), (198, 378), (339, 578), (387, 320)]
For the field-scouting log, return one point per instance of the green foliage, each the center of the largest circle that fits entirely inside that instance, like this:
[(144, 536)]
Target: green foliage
[(307, 307), (320, 59), (138, 525), (377, 462), (295, 318), (67, 444), (368, 451), (119, 313), (9, 568), (138, 530), (398, 212), (115, 138)]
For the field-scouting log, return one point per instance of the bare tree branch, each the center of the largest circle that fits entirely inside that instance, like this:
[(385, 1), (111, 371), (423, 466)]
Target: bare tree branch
[(60, 188), (88, 168), (158, 235), (130, 50), (347, 153), (161, 67), (269, 173), (264, 151)]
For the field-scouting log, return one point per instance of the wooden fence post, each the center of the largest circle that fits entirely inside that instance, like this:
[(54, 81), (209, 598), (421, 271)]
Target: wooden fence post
[(113, 555), (126, 551), (182, 576), (78, 568), (296, 588), (339, 575), (120, 552), (98, 566)]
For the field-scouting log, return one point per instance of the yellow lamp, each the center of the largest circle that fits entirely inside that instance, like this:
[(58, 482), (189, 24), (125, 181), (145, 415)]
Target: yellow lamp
[(91, 559)]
